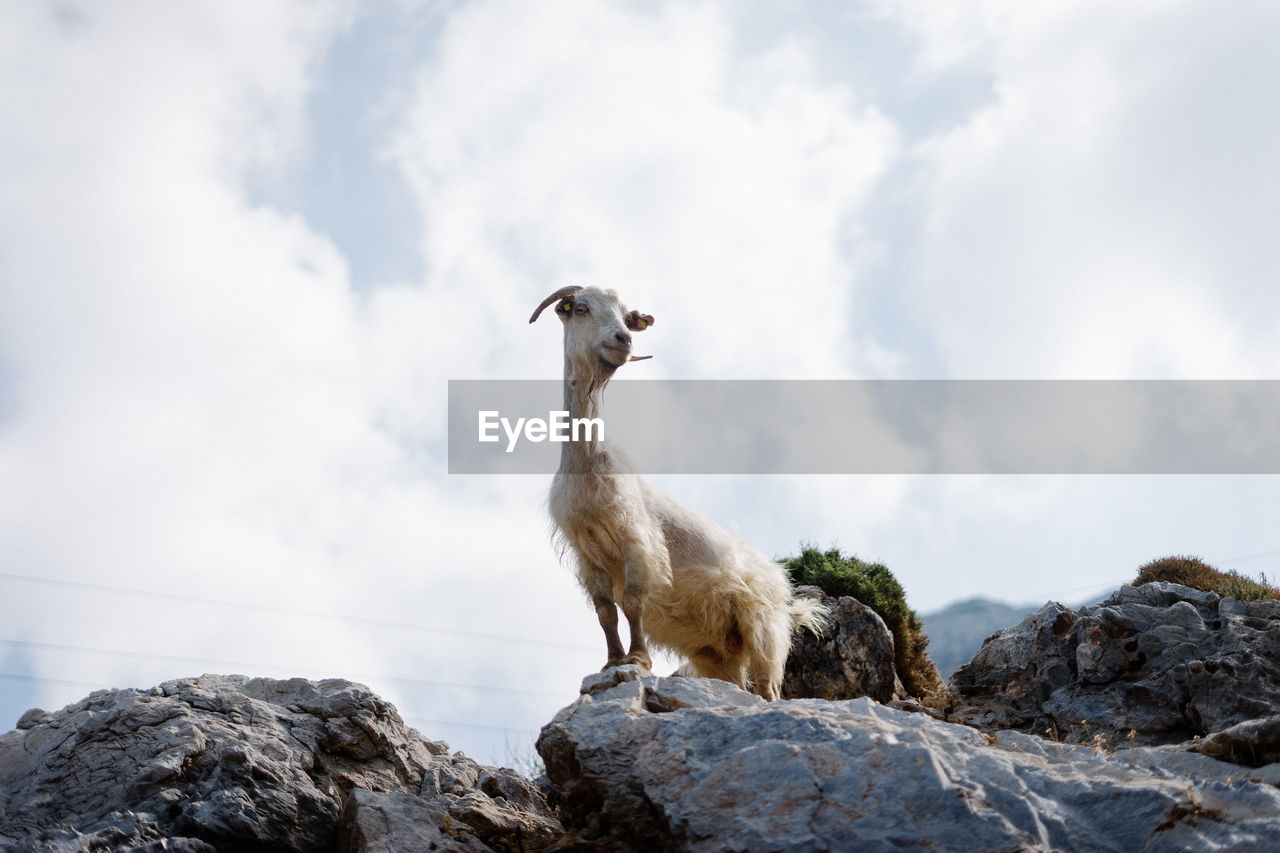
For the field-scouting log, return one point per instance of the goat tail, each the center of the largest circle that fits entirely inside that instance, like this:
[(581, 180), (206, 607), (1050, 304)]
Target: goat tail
[(809, 613)]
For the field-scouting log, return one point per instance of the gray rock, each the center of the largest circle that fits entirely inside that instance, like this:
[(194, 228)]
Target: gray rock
[(957, 631), (648, 763), (229, 762), (1253, 743), (378, 822), (1156, 664), (852, 658)]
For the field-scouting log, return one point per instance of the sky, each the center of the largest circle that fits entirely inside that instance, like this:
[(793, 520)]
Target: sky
[(244, 247)]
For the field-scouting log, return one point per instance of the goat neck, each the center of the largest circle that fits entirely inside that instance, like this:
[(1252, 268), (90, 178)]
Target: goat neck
[(583, 383)]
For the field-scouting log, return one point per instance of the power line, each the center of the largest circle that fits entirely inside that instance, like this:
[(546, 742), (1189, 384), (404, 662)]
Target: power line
[(416, 722), (1248, 557), (28, 644), (266, 608), (419, 723), (14, 676), (289, 611)]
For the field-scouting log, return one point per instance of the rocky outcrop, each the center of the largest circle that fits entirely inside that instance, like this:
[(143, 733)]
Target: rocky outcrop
[(1188, 683), (853, 657), (957, 631), (648, 763), (233, 763), (1155, 664)]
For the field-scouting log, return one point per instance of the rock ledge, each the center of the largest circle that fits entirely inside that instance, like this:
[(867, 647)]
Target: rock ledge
[(644, 762)]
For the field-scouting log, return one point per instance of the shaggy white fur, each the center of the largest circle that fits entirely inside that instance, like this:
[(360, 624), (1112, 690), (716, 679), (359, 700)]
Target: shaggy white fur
[(683, 582)]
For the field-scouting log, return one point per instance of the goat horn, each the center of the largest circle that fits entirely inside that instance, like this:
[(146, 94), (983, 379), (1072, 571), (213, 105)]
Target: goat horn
[(555, 297)]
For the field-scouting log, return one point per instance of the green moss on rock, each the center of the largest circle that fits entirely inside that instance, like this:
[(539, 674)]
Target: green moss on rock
[(875, 586)]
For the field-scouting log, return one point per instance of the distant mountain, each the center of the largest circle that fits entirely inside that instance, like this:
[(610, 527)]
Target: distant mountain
[(957, 631)]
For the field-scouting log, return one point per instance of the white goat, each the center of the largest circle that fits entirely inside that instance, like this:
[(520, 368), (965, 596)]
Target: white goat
[(684, 584)]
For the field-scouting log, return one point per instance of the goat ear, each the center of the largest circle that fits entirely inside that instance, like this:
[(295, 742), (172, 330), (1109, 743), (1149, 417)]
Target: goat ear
[(638, 322)]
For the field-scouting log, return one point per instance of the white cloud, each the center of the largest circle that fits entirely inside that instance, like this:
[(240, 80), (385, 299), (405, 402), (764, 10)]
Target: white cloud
[(172, 348), (205, 410), (204, 405), (585, 143), (1106, 215)]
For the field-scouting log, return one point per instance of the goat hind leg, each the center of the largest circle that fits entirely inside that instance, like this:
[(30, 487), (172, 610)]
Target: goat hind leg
[(766, 680), (769, 660), (711, 663), (607, 613), (632, 607)]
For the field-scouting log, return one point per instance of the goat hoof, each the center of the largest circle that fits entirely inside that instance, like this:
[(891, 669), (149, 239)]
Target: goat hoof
[(640, 659)]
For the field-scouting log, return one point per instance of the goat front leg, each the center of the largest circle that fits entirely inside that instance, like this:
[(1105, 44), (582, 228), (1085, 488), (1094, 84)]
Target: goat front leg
[(607, 613), (632, 608)]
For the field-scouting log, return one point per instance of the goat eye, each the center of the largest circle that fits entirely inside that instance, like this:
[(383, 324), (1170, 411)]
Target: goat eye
[(579, 310)]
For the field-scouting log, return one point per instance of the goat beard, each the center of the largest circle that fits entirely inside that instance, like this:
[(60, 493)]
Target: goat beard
[(600, 380), (591, 382)]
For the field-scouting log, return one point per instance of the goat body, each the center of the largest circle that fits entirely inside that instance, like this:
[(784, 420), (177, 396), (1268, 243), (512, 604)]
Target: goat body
[(684, 584)]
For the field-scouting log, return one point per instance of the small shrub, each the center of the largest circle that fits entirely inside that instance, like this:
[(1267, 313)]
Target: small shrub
[(875, 586), (1197, 574)]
